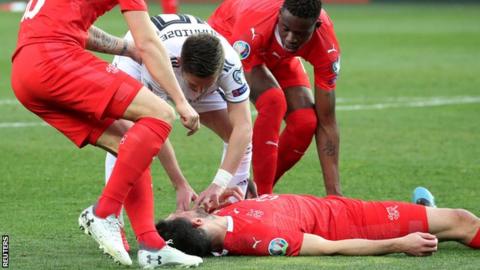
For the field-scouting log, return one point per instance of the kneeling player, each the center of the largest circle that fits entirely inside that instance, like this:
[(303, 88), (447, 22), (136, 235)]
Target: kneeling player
[(295, 225)]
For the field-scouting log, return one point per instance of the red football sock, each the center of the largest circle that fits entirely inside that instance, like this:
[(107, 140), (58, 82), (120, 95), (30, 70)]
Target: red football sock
[(139, 205), (137, 148), (295, 139), (169, 6), (475, 243), (271, 107)]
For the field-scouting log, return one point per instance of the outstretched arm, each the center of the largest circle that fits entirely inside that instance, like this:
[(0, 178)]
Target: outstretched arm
[(185, 193), (416, 244), (101, 41), (328, 140)]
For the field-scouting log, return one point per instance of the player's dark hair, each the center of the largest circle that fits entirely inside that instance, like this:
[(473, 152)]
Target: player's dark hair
[(202, 55), (185, 236), (307, 9)]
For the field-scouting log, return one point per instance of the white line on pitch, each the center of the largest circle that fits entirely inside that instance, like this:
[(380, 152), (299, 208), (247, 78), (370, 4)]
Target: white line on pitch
[(398, 102), (436, 101), (22, 124)]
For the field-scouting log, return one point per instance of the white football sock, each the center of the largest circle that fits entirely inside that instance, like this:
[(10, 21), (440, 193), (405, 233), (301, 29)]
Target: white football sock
[(109, 164)]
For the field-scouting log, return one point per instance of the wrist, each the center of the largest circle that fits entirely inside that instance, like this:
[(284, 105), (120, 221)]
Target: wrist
[(222, 178), (179, 100), (124, 51), (180, 183), (398, 246)]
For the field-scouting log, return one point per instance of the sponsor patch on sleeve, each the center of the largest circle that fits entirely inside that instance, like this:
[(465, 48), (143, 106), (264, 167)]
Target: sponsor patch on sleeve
[(240, 91)]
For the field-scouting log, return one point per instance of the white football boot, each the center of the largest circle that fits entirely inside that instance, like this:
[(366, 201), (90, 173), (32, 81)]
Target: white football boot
[(106, 231), (167, 256)]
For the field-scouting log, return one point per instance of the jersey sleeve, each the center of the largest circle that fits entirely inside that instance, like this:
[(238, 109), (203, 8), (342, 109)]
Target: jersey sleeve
[(246, 44), (263, 240), (232, 80), (326, 61), (326, 74), (132, 5)]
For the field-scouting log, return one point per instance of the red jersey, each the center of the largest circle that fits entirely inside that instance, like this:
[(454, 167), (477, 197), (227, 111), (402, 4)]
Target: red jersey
[(275, 224), (65, 21), (250, 26)]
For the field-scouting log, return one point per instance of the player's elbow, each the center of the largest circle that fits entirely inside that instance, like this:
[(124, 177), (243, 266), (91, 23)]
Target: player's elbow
[(146, 45), (314, 245)]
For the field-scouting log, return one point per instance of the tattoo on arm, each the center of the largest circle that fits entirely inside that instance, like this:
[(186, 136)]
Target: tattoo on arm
[(100, 41), (329, 148)]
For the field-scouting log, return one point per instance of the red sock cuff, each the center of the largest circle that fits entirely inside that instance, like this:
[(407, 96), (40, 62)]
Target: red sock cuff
[(475, 243), (160, 127), (303, 115), (271, 96)]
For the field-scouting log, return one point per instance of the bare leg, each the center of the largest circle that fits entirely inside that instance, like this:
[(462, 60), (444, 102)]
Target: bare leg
[(453, 224)]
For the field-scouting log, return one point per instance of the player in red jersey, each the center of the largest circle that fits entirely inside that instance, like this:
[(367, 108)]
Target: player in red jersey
[(295, 225), (271, 37), (81, 95)]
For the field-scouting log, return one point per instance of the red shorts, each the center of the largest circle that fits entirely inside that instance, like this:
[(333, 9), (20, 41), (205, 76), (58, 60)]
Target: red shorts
[(377, 220), (289, 72), (72, 90)]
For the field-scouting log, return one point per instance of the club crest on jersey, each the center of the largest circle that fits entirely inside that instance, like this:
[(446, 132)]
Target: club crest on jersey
[(237, 76), (393, 213), (278, 247), (111, 68), (242, 48)]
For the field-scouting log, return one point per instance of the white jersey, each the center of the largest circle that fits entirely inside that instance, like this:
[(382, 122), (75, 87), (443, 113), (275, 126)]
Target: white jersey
[(173, 30)]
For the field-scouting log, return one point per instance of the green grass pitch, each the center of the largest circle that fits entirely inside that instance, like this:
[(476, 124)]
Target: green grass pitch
[(408, 111)]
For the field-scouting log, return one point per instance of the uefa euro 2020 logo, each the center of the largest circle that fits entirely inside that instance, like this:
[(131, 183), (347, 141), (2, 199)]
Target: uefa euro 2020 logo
[(242, 48), (278, 247)]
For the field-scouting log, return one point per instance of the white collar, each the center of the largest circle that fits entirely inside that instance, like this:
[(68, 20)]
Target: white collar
[(229, 223)]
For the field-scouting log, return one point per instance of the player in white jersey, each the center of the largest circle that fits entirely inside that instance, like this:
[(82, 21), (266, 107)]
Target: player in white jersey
[(210, 74)]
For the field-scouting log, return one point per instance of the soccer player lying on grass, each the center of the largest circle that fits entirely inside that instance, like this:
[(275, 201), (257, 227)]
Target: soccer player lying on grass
[(306, 225)]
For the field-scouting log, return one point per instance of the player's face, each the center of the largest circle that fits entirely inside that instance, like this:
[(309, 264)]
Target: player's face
[(199, 84), (294, 31)]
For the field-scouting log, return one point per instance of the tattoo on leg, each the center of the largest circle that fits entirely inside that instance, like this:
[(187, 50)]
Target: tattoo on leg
[(329, 148)]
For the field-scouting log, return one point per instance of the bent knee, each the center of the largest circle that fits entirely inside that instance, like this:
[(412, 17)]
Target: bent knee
[(303, 121), (463, 216), (166, 113), (272, 101), (466, 220)]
